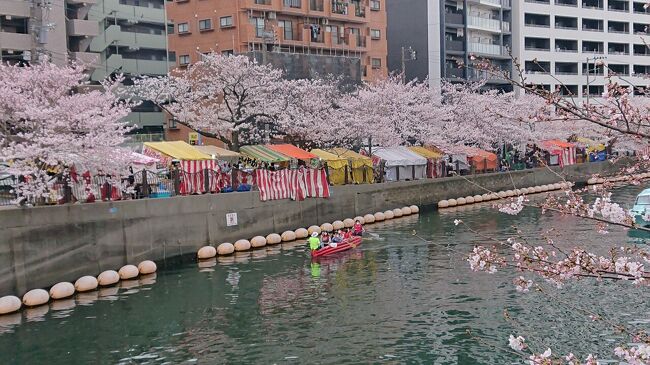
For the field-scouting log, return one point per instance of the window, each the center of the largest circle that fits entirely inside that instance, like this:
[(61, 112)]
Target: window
[(376, 63), (183, 28), (184, 59), (225, 21), (205, 24), (375, 33), (287, 29), (375, 5)]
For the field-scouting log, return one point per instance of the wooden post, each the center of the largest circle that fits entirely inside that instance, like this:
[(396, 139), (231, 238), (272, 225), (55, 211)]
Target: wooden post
[(206, 181), (145, 184), (177, 180)]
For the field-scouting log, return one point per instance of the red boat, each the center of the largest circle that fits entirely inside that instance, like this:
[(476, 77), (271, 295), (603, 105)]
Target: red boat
[(352, 242)]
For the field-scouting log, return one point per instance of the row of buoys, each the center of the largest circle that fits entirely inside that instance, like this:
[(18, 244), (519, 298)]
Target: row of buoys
[(471, 199), (63, 290), (602, 180), (227, 248)]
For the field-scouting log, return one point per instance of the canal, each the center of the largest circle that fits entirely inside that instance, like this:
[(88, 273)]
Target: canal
[(400, 298)]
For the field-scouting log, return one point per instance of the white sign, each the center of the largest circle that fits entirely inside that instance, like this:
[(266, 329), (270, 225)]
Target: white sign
[(231, 219)]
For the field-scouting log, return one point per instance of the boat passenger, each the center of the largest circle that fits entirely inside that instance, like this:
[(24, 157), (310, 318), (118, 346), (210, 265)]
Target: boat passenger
[(314, 242), (357, 229)]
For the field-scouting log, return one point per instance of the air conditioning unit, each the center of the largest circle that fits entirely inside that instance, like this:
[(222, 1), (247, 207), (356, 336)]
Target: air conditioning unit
[(271, 15)]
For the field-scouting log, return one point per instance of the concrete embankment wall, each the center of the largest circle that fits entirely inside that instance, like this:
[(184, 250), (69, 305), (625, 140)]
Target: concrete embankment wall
[(43, 245)]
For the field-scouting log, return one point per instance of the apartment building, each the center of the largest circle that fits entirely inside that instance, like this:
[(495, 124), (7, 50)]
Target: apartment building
[(442, 33), (576, 43), (58, 29), (331, 29)]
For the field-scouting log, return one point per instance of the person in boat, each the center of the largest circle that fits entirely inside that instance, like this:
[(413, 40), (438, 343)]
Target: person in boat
[(314, 242), (357, 229), (325, 237), (338, 237)]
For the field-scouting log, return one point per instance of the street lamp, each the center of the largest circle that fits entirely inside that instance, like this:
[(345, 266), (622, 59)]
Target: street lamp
[(408, 54), (598, 61)]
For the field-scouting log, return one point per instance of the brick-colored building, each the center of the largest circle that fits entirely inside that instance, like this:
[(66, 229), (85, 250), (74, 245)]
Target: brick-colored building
[(347, 28)]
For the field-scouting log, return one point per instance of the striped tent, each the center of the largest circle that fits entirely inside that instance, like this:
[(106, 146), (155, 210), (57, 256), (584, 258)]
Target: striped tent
[(295, 184), (263, 154)]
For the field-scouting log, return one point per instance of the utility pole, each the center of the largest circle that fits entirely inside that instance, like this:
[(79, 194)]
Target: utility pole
[(411, 57), (596, 64)]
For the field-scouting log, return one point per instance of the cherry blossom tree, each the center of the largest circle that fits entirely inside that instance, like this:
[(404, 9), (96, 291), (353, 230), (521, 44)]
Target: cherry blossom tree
[(238, 100), (51, 118)]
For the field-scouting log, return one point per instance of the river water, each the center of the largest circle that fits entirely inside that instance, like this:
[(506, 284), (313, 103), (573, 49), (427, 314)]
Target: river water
[(399, 298)]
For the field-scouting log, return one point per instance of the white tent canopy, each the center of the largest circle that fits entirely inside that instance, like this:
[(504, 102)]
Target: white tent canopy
[(401, 163)]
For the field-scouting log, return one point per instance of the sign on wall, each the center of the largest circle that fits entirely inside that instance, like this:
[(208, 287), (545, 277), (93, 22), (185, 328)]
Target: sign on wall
[(231, 219)]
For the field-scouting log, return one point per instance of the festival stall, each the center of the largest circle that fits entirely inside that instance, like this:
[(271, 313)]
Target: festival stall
[(336, 166), (400, 163), (200, 173), (435, 160), (561, 153), (481, 160), (360, 165), (275, 181), (595, 150)]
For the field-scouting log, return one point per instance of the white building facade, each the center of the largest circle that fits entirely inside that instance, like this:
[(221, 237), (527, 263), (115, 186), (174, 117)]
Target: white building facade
[(572, 45)]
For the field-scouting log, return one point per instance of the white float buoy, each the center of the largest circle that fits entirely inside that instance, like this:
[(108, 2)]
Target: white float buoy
[(452, 202), (301, 233), (469, 199), (108, 277), (368, 219), (288, 236), (225, 248), (128, 272), (461, 201), (415, 209), (406, 211), (61, 290), (243, 245), (397, 212), (9, 304), (88, 283), (273, 239), (379, 216), (258, 241), (35, 297), (147, 267), (443, 204), (349, 222), (206, 252), (389, 214), (313, 229)]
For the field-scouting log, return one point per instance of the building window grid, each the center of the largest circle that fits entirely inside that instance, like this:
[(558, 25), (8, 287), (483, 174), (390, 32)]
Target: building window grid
[(205, 24), (225, 22)]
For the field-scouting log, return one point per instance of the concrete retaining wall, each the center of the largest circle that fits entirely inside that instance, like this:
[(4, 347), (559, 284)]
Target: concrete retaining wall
[(43, 245)]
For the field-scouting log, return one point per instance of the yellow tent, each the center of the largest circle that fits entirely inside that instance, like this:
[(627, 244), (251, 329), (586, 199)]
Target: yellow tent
[(219, 153), (362, 172), (336, 166), (165, 152), (426, 153)]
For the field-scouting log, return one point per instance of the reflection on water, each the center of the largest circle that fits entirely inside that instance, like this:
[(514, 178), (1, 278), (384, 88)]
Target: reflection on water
[(397, 299)]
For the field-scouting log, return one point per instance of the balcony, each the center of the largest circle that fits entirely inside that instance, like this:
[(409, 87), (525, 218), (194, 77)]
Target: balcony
[(15, 8), (16, 41), (82, 28), (487, 49), (494, 25)]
